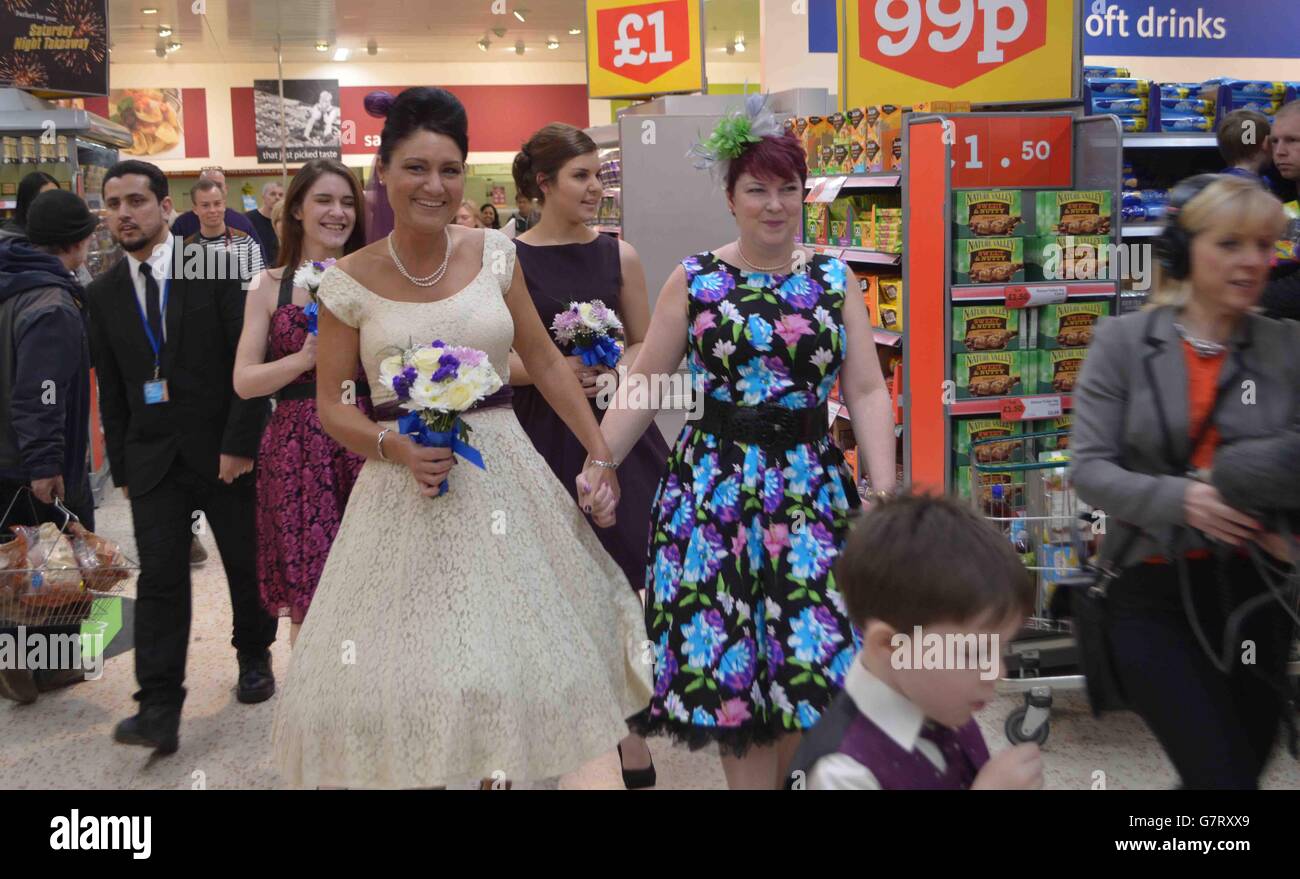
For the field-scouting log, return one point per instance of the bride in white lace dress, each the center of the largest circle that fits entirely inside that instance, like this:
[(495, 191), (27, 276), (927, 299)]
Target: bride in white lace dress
[(483, 633)]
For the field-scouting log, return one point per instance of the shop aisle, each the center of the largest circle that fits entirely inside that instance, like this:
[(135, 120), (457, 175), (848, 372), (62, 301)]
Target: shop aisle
[(62, 741)]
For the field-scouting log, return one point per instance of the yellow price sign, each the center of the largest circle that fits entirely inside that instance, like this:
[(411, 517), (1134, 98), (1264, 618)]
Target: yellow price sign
[(904, 52), (637, 48)]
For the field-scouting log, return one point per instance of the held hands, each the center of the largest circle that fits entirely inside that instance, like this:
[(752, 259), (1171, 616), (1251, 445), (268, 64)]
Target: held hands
[(587, 375), (232, 468), (1017, 768), (1207, 512), (46, 490), (428, 466), (598, 494)]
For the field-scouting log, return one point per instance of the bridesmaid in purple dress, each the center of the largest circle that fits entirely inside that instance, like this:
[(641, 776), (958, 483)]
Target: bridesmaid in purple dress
[(304, 477), (565, 261)]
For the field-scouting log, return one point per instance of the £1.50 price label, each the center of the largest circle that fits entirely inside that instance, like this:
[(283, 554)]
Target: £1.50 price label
[(992, 152), (643, 48)]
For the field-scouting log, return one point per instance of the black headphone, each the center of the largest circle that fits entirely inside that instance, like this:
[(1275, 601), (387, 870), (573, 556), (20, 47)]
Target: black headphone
[(1174, 244)]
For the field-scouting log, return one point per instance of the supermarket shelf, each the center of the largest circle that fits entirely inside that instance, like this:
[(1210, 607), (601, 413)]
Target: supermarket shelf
[(1171, 141), (886, 180), (887, 337), (858, 255), (1142, 230), (995, 292), (993, 405)]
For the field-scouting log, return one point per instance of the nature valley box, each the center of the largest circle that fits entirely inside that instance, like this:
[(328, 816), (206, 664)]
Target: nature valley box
[(1058, 370), (1062, 425), (989, 260), (987, 328), (1013, 485), (975, 430), (1070, 324), (997, 213), (1071, 212), (1069, 258), (995, 374)]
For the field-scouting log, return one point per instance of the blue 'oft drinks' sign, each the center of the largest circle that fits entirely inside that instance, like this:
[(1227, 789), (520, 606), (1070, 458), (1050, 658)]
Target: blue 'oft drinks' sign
[(1204, 29)]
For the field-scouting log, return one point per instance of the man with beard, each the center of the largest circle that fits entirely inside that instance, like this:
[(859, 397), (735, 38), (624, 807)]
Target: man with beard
[(179, 440)]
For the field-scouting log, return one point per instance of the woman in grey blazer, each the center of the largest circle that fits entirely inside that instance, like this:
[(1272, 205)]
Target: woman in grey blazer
[(1160, 392)]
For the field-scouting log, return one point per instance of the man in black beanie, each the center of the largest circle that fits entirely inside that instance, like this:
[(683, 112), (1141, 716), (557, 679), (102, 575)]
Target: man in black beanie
[(44, 386)]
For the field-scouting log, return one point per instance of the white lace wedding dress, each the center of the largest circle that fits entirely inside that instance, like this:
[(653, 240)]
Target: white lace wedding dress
[(456, 638)]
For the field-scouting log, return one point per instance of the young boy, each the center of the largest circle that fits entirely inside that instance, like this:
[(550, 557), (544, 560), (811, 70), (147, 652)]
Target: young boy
[(937, 593), (1243, 143)]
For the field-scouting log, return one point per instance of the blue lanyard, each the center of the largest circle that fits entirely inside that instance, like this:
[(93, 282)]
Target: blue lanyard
[(154, 343)]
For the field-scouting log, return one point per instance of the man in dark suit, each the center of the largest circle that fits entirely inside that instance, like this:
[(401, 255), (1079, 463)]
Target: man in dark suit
[(179, 441)]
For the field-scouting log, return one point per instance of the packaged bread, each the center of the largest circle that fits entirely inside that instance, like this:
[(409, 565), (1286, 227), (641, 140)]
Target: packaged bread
[(101, 560), (15, 579)]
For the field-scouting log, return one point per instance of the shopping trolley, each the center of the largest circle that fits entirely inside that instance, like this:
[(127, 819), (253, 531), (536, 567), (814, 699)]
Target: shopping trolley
[(52, 575), (1054, 537)]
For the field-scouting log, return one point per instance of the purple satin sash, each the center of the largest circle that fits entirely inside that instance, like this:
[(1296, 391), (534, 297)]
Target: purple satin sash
[(500, 398)]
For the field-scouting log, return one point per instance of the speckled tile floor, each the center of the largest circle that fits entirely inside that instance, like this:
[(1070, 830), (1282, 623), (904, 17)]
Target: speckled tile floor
[(63, 740)]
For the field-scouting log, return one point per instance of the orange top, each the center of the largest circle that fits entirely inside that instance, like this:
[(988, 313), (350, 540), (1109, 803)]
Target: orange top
[(1202, 388)]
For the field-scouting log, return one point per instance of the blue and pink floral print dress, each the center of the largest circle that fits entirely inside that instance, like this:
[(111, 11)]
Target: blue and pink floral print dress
[(751, 636)]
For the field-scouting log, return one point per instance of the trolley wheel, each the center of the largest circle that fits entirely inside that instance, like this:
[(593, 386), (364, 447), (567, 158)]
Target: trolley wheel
[(1015, 732)]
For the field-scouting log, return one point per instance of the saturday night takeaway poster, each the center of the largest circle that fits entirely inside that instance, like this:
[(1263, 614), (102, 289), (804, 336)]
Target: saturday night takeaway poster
[(54, 47)]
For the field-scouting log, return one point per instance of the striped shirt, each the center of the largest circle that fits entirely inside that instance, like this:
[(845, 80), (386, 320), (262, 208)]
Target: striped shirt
[(231, 255)]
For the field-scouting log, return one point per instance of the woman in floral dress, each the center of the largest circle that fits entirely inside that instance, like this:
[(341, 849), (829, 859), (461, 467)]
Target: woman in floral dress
[(751, 636)]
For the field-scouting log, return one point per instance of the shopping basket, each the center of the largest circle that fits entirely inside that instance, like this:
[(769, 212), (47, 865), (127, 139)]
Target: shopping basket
[(52, 574)]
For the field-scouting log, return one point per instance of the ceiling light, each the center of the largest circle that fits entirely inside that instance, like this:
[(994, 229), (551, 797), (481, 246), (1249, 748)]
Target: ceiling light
[(574, 31), (160, 50), (519, 47), (149, 10), (552, 43), (499, 31), (520, 13), (483, 44), (341, 54), (173, 46), (164, 31), (730, 49), (372, 47), (322, 46), (740, 42)]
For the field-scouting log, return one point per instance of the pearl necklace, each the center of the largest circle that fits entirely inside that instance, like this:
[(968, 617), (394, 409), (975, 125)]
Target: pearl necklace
[(427, 280), (765, 269)]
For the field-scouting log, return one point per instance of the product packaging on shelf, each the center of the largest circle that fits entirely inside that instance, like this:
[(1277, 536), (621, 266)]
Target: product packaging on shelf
[(1013, 486), (839, 214), (1068, 258), (1069, 324), (942, 107), (997, 213), (869, 293), (1186, 122), (1074, 212), (1186, 106), (978, 328), (1058, 369), (995, 374), (1134, 124), (814, 131), (1058, 443), (889, 134), (977, 429), (1121, 106), (989, 260), (816, 223), (1118, 86), (889, 303), (1098, 72)]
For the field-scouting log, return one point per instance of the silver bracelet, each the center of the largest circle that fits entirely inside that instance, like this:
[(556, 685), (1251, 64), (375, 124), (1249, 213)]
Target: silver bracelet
[(607, 465), (379, 443)]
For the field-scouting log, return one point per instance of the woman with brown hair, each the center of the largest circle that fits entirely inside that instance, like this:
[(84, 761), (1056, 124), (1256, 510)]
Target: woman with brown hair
[(565, 261), (304, 477)]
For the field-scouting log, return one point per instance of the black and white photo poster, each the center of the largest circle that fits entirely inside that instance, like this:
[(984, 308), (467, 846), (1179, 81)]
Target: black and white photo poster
[(311, 119)]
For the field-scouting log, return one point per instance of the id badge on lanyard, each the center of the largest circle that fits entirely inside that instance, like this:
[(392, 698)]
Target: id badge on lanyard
[(155, 390)]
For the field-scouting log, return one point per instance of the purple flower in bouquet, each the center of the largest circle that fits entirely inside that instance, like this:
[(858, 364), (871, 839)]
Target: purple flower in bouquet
[(592, 330)]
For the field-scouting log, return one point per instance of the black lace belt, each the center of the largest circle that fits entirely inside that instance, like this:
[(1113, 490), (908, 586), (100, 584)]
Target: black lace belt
[(307, 391), (765, 425), (392, 411)]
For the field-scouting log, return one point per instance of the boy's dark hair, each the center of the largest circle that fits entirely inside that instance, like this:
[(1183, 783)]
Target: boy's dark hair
[(1232, 140), (919, 560), (157, 180)]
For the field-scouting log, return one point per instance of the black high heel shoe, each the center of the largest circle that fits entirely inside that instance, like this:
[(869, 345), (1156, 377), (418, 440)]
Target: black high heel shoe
[(635, 779)]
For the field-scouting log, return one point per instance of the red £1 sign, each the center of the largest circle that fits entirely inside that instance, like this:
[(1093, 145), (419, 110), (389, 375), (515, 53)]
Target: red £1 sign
[(949, 48), (644, 42)]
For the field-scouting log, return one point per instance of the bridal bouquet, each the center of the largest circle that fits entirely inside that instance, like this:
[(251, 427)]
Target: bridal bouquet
[(308, 276), (435, 384), (593, 329)]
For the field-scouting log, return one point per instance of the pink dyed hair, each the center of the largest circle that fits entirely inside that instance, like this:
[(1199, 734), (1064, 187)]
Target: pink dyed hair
[(772, 158)]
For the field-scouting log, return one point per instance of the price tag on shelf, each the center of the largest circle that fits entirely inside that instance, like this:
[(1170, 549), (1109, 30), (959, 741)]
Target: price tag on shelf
[(1009, 152), (1031, 408), (826, 190), (1019, 296)]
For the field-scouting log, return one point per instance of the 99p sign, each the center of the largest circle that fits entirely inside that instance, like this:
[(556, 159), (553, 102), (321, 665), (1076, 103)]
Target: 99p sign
[(984, 51), (637, 48)]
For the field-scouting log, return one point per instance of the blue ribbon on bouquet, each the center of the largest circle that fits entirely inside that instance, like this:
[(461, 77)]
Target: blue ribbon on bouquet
[(312, 310), (605, 351), (413, 426)]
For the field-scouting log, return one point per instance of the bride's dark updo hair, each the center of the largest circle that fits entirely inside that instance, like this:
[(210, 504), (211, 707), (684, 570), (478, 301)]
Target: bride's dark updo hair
[(418, 109)]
